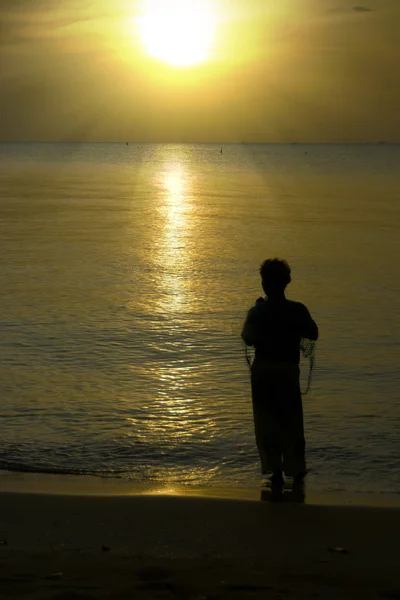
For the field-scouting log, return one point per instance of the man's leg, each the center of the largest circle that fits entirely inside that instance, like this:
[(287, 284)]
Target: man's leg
[(294, 462), (266, 420)]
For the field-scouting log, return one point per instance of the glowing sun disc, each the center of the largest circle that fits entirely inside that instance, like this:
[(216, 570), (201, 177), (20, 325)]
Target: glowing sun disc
[(179, 32)]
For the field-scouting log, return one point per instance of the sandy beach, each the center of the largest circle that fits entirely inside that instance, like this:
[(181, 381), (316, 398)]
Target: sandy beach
[(63, 547)]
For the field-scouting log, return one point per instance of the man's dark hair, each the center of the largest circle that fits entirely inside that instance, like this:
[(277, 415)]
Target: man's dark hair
[(275, 272)]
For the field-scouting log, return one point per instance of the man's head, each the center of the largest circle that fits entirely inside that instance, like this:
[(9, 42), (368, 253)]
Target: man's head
[(275, 275)]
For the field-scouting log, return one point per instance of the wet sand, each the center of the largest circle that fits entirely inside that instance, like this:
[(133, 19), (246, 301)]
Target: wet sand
[(74, 547)]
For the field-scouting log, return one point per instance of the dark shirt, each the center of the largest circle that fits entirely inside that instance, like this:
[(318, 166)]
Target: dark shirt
[(275, 329)]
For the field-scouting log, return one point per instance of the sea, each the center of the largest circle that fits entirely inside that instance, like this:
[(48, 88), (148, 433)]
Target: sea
[(126, 272)]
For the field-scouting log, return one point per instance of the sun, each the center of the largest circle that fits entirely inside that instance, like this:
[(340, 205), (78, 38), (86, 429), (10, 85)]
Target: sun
[(178, 32)]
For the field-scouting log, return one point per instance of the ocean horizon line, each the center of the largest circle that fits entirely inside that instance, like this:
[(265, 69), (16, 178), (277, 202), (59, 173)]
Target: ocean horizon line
[(365, 143)]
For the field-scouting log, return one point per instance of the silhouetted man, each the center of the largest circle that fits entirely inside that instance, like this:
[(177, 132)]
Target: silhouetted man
[(275, 326)]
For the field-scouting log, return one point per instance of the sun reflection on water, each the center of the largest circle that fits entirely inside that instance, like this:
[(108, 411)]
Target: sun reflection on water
[(173, 261), (173, 249), (177, 415)]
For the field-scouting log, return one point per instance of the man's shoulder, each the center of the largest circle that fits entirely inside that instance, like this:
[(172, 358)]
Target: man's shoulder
[(297, 307), (296, 304), (256, 309)]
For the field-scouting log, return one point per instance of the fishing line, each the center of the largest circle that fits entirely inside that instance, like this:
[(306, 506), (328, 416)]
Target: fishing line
[(307, 349)]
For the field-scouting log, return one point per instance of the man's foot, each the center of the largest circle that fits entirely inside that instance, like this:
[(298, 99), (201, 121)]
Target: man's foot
[(277, 478)]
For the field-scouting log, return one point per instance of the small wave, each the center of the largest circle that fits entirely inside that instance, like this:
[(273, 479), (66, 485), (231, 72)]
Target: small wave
[(18, 467)]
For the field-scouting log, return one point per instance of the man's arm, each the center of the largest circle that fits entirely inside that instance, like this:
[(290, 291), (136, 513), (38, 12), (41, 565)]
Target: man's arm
[(251, 328), (308, 327)]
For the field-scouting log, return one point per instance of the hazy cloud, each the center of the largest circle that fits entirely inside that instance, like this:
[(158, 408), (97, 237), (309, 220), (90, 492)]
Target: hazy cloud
[(22, 22), (350, 9)]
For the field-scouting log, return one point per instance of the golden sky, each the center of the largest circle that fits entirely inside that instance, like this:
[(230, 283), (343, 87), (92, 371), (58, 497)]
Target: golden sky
[(266, 70)]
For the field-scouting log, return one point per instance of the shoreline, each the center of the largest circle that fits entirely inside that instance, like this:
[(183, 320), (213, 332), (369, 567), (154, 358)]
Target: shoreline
[(82, 485)]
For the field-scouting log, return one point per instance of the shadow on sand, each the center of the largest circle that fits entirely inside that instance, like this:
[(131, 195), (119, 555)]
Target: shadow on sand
[(281, 493)]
